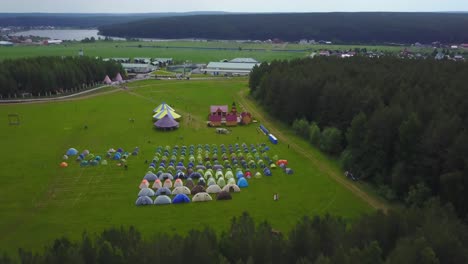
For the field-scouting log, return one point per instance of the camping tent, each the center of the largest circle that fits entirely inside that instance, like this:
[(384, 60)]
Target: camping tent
[(107, 80), (190, 184), (144, 200), (157, 184), (146, 192), (163, 191), (162, 199), (202, 197), (197, 189), (223, 195), (118, 77), (167, 183), (242, 183), (289, 171), (165, 176), (221, 182), (211, 181), (72, 152), (182, 189), (231, 181), (258, 175), (201, 182), (63, 164), (229, 175), (162, 107), (150, 176), (213, 189), (178, 183), (144, 184), (181, 198), (231, 188), (167, 122)]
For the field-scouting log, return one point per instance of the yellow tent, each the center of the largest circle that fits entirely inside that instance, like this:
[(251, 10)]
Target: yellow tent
[(165, 112), (161, 107)]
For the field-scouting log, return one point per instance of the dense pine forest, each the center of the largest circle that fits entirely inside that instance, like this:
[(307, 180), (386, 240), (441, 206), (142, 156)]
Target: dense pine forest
[(43, 75), (400, 124), (337, 27), (428, 235)]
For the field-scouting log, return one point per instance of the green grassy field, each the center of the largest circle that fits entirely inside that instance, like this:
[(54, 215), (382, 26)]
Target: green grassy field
[(41, 201), (183, 50)]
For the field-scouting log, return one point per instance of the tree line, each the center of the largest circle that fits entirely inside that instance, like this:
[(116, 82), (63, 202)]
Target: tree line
[(428, 235), (41, 75), (400, 124), (336, 27)]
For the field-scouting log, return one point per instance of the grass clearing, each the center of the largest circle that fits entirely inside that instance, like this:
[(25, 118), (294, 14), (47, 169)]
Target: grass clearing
[(41, 201)]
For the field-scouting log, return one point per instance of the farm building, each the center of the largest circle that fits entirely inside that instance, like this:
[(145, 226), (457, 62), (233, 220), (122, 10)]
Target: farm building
[(231, 119), (139, 68), (215, 120), (6, 43), (219, 110), (121, 60), (162, 62), (244, 60), (229, 68), (142, 60)]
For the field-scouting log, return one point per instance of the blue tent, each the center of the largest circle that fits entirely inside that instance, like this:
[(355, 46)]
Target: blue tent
[(242, 183), (181, 198), (150, 176), (239, 174), (163, 191), (72, 152), (144, 200), (289, 171)]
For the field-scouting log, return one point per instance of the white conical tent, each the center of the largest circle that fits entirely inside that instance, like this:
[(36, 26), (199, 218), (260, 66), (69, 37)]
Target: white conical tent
[(162, 107), (107, 80), (118, 77)]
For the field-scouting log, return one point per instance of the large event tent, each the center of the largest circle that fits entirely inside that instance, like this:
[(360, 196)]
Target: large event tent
[(164, 111), (167, 122), (161, 107)]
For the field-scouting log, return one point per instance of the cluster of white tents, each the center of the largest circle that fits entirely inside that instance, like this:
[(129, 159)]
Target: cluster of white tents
[(117, 80)]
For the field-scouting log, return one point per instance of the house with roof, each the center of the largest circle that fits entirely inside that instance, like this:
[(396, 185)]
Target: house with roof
[(215, 120), (219, 110)]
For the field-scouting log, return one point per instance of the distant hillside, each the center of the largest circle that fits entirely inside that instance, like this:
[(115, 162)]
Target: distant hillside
[(81, 20), (337, 27)]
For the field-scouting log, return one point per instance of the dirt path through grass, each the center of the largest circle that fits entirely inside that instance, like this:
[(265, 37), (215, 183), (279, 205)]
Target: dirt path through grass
[(374, 203)]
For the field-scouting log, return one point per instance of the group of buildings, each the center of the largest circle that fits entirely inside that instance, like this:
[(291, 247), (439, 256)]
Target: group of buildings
[(220, 115), (234, 67), (142, 65)]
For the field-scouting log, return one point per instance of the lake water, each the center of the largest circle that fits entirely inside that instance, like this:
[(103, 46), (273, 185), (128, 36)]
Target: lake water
[(63, 34)]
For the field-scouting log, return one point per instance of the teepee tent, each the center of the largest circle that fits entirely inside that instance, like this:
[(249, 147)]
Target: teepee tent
[(144, 200), (144, 184), (181, 198), (162, 199), (107, 80), (118, 77), (202, 197), (167, 183)]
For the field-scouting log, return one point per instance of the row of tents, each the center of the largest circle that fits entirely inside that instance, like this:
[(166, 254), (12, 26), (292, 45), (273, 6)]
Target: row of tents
[(150, 176), (181, 198), (190, 185)]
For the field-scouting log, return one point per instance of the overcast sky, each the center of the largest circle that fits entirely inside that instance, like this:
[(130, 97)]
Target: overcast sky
[(146, 6)]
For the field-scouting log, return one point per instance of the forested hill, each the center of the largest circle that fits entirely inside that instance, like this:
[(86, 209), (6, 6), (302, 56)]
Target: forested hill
[(337, 27), (77, 20)]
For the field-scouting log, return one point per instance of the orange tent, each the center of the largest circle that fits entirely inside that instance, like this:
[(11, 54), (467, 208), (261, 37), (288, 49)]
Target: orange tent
[(63, 165)]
